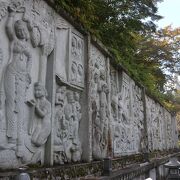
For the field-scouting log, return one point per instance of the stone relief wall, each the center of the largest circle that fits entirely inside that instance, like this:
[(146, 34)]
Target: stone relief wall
[(127, 114), (76, 72), (25, 111), (91, 102), (70, 54), (171, 130), (67, 145), (70, 75), (160, 125), (100, 113), (153, 124), (138, 117)]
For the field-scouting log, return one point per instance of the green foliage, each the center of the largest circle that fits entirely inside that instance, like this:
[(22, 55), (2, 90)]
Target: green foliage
[(123, 27), (159, 54), (82, 10)]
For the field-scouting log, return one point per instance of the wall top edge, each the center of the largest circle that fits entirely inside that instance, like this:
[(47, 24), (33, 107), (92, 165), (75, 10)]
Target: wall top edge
[(97, 43), (94, 40), (117, 65), (67, 17)]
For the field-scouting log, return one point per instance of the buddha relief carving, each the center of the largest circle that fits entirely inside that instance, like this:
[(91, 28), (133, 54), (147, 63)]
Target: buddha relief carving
[(68, 116)]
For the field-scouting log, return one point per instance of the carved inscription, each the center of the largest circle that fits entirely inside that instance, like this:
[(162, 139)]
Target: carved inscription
[(77, 60)]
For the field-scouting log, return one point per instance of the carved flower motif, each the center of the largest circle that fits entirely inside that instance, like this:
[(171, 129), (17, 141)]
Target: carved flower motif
[(35, 37)]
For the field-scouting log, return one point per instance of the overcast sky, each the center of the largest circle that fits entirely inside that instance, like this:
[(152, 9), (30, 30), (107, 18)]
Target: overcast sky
[(170, 9)]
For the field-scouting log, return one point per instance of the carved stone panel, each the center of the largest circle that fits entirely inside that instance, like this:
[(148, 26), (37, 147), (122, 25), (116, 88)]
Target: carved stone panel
[(138, 118), (25, 113), (114, 94), (156, 123), (62, 48), (76, 64), (67, 145), (170, 131), (128, 116), (70, 54), (175, 133), (99, 108), (125, 97), (70, 119), (150, 109)]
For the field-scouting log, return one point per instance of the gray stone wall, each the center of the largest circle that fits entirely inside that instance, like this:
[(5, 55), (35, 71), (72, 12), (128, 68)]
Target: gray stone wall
[(62, 99)]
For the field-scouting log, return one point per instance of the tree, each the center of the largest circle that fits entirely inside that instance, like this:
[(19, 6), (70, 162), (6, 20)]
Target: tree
[(117, 23), (158, 53), (149, 55)]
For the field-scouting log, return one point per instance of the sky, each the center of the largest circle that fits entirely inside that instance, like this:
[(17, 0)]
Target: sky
[(170, 9)]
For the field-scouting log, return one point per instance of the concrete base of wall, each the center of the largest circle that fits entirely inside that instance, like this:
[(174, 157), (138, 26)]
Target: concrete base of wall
[(129, 168)]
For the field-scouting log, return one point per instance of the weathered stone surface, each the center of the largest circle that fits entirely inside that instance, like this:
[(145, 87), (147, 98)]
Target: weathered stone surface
[(28, 40), (100, 113), (161, 132), (67, 145), (62, 100), (127, 113)]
